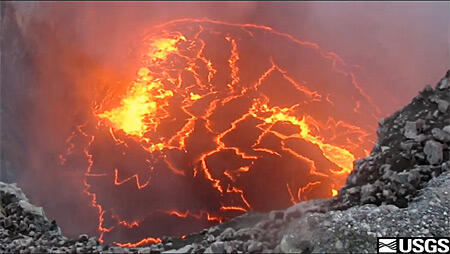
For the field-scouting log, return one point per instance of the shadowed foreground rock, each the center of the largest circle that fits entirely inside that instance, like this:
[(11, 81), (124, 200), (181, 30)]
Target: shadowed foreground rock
[(401, 189)]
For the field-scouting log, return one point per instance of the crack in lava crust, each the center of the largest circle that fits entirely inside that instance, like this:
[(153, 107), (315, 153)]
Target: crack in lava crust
[(221, 119)]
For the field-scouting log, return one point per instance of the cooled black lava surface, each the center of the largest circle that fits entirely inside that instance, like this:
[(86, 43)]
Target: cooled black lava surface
[(401, 189)]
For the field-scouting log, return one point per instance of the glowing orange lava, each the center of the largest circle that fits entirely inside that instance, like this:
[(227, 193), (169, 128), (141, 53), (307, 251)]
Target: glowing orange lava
[(220, 119)]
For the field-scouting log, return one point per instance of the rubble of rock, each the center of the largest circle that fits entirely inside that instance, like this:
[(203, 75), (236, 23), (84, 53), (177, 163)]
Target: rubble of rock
[(412, 147), (356, 229), (24, 228), (401, 189)]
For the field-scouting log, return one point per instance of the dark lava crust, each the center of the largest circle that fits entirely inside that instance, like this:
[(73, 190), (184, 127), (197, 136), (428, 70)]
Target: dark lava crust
[(401, 189)]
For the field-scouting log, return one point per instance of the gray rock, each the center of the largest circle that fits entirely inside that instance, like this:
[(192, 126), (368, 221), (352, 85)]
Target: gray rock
[(421, 138), (8, 223), (406, 146), (384, 148), (245, 234), (116, 250), (227, 234), (214, 230), (367, 192), (2, 211), (443, 105), (185, 249), (144, 250), (287, 244), (218, 247), (229, 248), (92, 241), (446, 166), (276, 215), (290, 244), (168, 245), (13, 190), (302, 208), (83, 238), (433, 151), (367, 189), (255, 246), (208, 250), (410, 130), (31, 209), (444, 84), (440, 135), (339, 245), (421, 125), (436, 114), (354, 190), (210, 238), (447, 129)]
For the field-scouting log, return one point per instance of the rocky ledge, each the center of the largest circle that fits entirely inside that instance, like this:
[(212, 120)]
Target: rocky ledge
[(401, 189)]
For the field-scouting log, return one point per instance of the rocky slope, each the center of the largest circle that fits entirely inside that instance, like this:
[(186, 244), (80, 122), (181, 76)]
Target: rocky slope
[(412, 147), (357, 228), (401, 189)]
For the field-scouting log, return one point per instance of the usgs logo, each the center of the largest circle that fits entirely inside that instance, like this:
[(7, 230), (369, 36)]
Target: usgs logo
[(414, 245)]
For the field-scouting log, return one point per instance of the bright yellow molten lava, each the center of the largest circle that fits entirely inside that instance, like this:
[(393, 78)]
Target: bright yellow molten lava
[(339, 156), (129, 117), (160, 49), (195, 97), (139, 103), (133, 116)]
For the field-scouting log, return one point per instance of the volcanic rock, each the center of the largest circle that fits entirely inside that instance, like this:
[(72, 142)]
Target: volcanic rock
[(443, 105), (254, 247), (444, 84), (217, 247), (433, 150), (185, 249), (441, 135), (447, 129), (423, 140), (356, 229), (410, 130), (276, 215)]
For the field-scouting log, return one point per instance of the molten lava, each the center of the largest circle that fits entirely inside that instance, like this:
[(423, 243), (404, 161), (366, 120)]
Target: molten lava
[(220, 119)]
